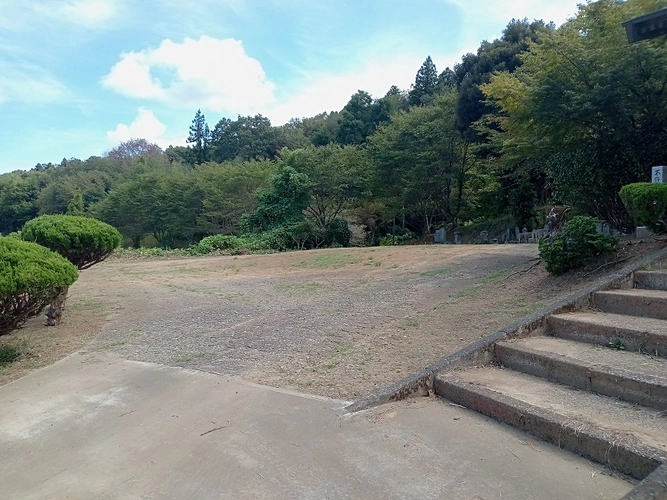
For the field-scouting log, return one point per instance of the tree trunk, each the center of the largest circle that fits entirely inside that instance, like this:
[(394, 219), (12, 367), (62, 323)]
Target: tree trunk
[(55, 311)]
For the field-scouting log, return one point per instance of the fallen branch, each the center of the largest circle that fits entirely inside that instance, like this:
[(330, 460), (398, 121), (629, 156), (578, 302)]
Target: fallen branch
[(216, 429), (583, 275), (539, 260)]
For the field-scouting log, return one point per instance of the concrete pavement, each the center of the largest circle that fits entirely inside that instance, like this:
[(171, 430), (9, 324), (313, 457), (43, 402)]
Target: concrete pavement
[(93, 426)]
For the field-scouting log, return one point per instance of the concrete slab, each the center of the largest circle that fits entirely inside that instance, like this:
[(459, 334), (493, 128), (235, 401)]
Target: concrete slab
[(94, 426)]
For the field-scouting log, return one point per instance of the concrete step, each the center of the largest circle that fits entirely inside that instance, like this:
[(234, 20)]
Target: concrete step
[(644, 335), (636, 302), (629, 438), (651, 280), (637, 378)]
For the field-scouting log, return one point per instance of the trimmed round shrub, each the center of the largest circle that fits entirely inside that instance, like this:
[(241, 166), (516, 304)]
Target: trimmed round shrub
[(575, 245), (647, 203), (81, 240), (216, 243), (31, 276)]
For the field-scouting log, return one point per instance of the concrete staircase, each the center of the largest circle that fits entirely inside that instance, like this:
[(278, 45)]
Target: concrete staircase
[(592, 382)]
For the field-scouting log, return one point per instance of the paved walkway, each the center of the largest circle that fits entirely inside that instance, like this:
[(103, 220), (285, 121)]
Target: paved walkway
[(94, 426)]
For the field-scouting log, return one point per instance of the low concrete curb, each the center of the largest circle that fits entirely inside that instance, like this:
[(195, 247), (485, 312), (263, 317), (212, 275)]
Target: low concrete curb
[(654, 487), (481, 351)]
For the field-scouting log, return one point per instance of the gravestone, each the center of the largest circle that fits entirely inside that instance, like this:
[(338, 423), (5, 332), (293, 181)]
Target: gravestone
[(517, 233), (484, 237), (457, 238), (440, 236)]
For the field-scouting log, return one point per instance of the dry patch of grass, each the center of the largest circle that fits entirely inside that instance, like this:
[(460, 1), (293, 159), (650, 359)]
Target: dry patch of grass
[(38, 345)]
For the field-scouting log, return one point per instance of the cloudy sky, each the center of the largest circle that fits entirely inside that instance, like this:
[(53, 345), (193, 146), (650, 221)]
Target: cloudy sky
[(79, 76)]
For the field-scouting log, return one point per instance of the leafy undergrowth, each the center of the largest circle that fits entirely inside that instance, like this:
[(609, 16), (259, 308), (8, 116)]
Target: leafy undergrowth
[(9, 354)]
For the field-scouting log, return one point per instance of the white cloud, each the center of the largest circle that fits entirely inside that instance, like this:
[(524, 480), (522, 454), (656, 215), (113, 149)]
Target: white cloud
[(481, 17), (145, 126), (29, 83), (548, 10), (88, 12), (330, 92), (207, 73), (85, 13)]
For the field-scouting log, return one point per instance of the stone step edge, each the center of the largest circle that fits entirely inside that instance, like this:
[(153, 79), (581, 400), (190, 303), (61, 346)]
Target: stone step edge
[(629, 303), (560, 325), (653, 487), (650, 280), (629, 386), (619, 451)]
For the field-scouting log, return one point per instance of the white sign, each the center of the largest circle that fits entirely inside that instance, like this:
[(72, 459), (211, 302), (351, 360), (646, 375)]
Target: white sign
[(658, 174)]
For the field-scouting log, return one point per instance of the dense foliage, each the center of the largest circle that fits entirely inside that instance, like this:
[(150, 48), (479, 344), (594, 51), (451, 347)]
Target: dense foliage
[(541, 116), (81, 240), (31, 276), (588, 107), (575, 245), (647, 204)]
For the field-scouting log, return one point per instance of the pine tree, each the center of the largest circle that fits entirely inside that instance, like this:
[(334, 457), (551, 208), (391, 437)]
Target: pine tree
[(75, 206), (426, 81), (200, 137)]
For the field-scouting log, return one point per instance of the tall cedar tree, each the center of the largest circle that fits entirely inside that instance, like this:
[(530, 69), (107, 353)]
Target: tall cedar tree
[(200, 136), (426, 81)]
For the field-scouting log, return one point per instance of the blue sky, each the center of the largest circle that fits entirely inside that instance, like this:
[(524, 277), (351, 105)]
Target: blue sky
[(79, 76)]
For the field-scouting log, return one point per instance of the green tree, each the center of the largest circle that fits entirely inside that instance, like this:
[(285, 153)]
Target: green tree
[(227, 192), (200, 137), (164, 203), (249, 138), (18, 199), (426, 82), (281, 204), (423, 166), (474, 70), (589, 106), (75, 206), (320, 129), (360, 117), (338, 175)]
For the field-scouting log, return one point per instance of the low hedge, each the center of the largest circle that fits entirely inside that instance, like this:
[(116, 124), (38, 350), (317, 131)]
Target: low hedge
[(31, 276), (647, 203), (81, 240)]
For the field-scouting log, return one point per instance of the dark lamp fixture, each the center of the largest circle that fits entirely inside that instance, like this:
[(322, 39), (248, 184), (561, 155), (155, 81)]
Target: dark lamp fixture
[(651, 25)]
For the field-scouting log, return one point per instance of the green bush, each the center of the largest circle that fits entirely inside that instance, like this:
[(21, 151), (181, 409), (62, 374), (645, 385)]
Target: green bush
[(9, 354), (150, 253), (571, 248), (403, 239), (31, 276), (646, 202), (216, 243), (81, 240)]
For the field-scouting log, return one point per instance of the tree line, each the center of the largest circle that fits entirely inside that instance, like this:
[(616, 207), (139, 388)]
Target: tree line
[(541, 116)]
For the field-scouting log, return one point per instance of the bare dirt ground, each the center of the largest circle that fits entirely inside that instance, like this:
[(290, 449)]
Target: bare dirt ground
[(336, 322)]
